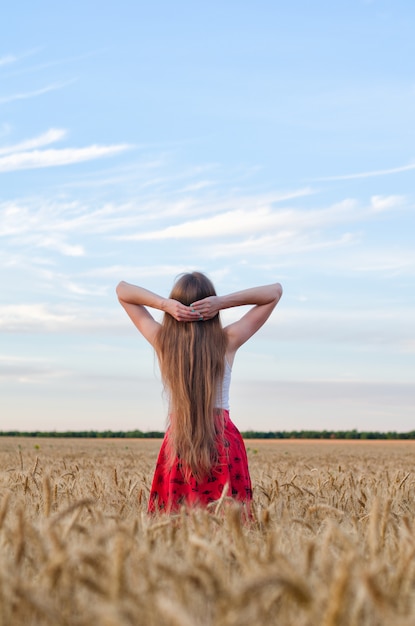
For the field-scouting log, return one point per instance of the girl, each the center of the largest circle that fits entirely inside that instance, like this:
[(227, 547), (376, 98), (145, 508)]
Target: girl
[(202, 450)]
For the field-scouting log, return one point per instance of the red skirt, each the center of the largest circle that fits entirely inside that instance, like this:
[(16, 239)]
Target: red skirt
[(170, 489)]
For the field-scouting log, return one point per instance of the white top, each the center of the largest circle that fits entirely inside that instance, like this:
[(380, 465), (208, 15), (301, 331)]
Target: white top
[(222, 394)]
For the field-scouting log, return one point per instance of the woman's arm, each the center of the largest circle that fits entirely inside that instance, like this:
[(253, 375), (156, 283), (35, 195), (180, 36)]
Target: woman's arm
[(265, 298), (210, 306), (135, 299)]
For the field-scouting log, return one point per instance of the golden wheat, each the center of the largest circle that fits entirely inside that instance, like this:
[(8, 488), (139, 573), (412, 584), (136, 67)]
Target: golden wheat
[(331, 541)]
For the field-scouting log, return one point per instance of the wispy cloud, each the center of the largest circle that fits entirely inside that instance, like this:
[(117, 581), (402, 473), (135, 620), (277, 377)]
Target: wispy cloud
[(376, 326), (51, 136), (265, 218), (43, 318), (53, 158), (385, 203), (232, 222), (289, 243), (58, 244), (33, 94), (26, 227), (42, 215), (391, 261), (72, 228), (28, 370), (7, 59), (34, 221), (5, 129), (370, 174), (367, 328), (48, 64), (114, 272), (32, 317)]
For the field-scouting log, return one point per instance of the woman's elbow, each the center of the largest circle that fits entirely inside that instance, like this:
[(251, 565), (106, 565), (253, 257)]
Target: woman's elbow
[(119, 290), (278, 291)]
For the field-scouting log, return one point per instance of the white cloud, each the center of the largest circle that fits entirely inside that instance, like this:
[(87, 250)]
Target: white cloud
[(51, 136), (376, 327), (281, 243), (264, 230), (53, 158), (324, 404), (7, 59), (232, 222), (5, 129), (386, 331), (236, 222), (136, 173), (385, 203), (122, 271), (43, 318), (48, 64), (84, 290), (32, 317), (24, 227), (203, 184), (61, 246), (48, 225), (261, 218), (162, 203), (409, 346), (370, 174), (391, 261), (33, 94), (28, 369), (60, 216)]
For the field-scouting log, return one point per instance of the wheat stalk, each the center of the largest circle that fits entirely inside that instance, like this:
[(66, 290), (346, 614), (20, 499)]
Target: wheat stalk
[(330, 540)]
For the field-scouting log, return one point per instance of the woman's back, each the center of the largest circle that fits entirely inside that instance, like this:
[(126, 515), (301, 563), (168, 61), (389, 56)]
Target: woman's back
[(192, 365), (202, 451)]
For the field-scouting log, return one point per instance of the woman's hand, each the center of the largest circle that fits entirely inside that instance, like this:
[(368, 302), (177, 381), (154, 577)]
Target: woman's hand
[(207, 308), (179, 311)]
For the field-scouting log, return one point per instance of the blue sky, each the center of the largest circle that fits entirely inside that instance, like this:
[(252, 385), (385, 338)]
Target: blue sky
[(257, 142)]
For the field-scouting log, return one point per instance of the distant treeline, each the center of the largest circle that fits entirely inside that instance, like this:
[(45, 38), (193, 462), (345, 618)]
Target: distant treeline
[(327, 434), (249, 434), (86, 434)]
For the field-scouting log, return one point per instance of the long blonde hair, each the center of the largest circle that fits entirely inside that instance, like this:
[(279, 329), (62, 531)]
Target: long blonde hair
[(192, 361)]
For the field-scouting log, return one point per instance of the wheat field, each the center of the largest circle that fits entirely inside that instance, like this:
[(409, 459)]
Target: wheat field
[(331, 542)]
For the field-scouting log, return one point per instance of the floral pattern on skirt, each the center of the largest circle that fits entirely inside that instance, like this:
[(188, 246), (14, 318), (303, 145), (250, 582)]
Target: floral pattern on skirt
[(170, 489)]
